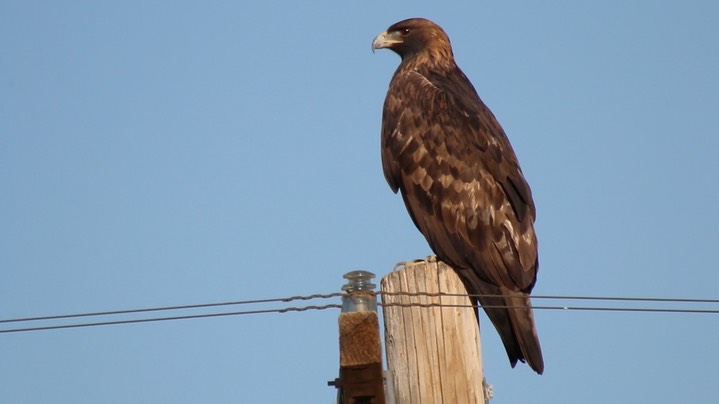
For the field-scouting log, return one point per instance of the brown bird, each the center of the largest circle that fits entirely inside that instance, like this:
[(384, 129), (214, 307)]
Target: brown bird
[(444, 150)]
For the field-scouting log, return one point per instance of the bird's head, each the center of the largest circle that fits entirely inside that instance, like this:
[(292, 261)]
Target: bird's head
[(415, 36)]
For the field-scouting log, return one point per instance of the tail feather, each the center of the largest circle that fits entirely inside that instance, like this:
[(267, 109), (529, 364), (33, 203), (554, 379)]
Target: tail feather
[(511, 314), (524, 330)]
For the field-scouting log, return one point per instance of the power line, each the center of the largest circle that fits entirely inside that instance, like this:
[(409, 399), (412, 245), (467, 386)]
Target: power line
[(191, 316), (568, 308), (563, 307), (167, 308), (560, 297), (626, 299), (334, 306)]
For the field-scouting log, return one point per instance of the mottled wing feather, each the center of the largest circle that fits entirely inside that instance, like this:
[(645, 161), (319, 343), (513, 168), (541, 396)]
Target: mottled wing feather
[(459, 177)]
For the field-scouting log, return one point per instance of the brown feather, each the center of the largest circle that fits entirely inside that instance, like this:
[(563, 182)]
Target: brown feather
[(444, 150)]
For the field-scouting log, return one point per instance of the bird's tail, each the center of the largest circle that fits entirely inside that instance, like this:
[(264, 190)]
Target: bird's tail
[(511, 313)]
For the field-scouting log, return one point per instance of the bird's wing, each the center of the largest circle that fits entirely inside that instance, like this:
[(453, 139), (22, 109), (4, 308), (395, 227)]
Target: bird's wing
[(459, 177)]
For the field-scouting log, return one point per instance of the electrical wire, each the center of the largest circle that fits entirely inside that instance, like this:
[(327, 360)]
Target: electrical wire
[(559, 297), (626, 299), (568, 308), (156, 319), (335, 306), (166, 308)]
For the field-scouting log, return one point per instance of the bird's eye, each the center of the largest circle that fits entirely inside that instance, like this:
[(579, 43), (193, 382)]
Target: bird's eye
[(404, 31)]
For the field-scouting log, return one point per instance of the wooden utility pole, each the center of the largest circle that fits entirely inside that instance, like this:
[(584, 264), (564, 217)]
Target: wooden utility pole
[(361, 380), (433, 353)]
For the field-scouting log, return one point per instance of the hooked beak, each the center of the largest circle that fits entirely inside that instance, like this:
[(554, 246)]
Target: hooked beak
[(386, 40)]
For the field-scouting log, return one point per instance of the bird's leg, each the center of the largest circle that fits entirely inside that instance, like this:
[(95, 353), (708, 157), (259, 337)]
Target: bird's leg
[(409, 264)]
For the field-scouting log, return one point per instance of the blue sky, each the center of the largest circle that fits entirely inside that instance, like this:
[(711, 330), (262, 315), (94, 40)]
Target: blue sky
[(168, 153)]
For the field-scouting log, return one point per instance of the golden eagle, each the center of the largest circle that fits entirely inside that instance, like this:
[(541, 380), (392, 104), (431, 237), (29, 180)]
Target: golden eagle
[(444, 150)]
